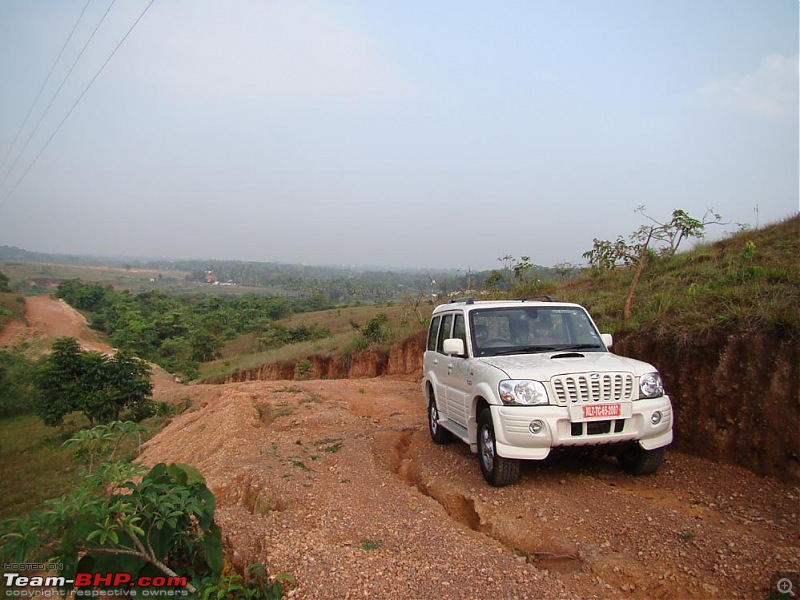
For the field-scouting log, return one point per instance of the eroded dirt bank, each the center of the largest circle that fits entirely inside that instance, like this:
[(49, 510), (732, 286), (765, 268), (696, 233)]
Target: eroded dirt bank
[(339, 483), (736, 397)]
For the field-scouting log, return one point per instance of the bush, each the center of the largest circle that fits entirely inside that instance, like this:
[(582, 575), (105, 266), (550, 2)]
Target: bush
[(163, 525), (16, 383)]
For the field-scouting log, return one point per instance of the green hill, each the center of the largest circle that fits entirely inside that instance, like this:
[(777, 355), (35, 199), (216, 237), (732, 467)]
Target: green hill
[(747, 282)]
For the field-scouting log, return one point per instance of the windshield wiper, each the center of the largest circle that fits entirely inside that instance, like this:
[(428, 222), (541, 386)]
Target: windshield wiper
[(524, 349), (580, 346)]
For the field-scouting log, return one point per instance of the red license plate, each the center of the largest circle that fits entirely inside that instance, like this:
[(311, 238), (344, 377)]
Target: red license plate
[(601, 411)]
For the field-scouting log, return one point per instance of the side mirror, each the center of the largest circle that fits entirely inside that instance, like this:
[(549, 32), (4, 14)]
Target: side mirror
[(607, 339), (454, 346)]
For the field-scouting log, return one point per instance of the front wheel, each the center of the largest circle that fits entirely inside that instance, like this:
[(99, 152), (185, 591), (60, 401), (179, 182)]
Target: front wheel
[(439, 434), (497, 471), (638, 461)]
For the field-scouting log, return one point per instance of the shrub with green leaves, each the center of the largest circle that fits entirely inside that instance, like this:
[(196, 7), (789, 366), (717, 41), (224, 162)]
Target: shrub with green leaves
[(162, 525), (256, 584), (89, 444)]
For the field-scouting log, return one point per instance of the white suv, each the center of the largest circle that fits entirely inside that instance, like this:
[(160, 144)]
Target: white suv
[(516, 378)]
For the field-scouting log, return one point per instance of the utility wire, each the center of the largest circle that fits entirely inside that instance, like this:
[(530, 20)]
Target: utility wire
[(58, 91), (41, 89), (86, 89)]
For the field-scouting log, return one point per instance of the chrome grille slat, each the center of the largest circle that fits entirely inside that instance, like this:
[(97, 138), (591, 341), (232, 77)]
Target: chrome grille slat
[(582, 388)]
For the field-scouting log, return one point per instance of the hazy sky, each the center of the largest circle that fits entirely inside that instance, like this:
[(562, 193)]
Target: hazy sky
[(400, 134)]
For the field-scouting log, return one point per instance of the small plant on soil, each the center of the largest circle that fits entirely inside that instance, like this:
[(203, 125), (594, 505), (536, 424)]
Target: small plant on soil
[(368, 544)]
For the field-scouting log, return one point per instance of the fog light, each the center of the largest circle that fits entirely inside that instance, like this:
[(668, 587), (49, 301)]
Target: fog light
[(536, 426), (656, 418)]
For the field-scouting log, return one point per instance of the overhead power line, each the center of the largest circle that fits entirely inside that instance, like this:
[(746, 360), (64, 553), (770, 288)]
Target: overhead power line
[(83, 93), (41, 89), (57, 92)]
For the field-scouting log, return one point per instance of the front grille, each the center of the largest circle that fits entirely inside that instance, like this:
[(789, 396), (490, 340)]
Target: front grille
[(583, 388)]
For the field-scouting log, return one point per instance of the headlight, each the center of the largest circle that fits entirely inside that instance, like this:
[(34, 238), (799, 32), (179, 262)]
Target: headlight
[(650, 386), (522, 391)]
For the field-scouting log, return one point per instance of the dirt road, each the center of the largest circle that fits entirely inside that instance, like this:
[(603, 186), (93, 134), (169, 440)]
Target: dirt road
[(48, 318), (338, 482)]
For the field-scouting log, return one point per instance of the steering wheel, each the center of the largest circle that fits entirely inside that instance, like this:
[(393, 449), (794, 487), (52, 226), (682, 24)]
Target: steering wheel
[(495, 342)]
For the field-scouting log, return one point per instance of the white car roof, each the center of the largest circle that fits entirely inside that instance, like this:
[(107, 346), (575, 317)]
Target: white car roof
[(470, 304)]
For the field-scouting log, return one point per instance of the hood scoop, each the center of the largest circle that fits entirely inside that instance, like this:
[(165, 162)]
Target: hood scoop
[(568, 355)]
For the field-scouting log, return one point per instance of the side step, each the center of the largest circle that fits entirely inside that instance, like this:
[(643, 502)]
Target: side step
[(456, 429)]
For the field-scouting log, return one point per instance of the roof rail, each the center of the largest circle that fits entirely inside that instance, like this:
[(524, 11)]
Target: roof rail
[(546, 298), (465, 300)]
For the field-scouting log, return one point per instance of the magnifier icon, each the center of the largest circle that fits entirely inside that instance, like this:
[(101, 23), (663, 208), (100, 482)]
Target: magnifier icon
[(785, 586)]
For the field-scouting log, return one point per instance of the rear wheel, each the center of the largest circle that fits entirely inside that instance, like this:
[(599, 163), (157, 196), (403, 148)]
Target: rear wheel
[(638, 461), (497, 471)]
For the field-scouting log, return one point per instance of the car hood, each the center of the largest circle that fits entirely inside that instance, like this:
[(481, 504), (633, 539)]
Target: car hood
[(546, 365)]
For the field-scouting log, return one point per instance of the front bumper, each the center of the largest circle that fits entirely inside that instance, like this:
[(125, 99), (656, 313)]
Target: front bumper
[(514, 438)]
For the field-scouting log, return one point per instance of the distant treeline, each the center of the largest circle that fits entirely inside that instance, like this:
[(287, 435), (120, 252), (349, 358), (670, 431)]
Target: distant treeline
[(179, 332), (340, 285)]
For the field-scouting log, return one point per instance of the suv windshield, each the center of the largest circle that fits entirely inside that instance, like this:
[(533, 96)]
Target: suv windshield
[(526, 329)]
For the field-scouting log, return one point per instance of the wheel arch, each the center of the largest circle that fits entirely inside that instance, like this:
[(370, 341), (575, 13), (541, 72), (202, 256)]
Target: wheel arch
[(479, 403), (429, 392)]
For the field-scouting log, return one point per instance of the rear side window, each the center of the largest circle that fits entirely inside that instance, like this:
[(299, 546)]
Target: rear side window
[(444, 332), (432, 332)]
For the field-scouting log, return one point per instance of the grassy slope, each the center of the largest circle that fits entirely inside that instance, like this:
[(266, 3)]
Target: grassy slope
[(12, 307), (33, 465), (723, 285), (243, 352)]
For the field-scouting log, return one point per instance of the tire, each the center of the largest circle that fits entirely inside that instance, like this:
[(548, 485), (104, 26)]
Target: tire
[(638, 461), (497, 471), (439, 434)]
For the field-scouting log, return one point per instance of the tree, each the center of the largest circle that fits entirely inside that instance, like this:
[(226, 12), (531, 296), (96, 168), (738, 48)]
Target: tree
[(4, 283), (606, 255), (59, 382), (97, 385), (565, 270), (124, 383), (205, 345), (671, 233), (494, 280), (666, 237)]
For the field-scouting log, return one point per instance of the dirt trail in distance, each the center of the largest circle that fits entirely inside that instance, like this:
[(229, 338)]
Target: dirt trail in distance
[(48, 318)]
